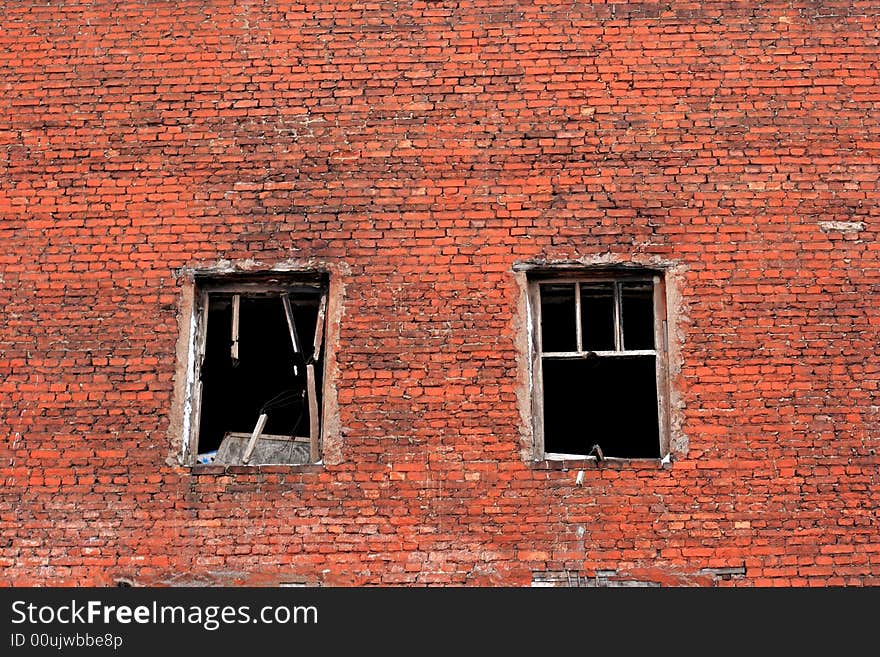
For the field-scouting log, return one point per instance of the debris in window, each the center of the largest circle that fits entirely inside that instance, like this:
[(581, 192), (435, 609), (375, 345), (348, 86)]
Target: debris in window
[(291, 326), (255, 436), (288, 314), (207, 458), (269, 449), (318, 342), (262, 405)]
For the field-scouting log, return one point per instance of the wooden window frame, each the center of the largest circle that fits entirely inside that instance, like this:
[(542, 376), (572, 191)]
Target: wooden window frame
[(660, 351)]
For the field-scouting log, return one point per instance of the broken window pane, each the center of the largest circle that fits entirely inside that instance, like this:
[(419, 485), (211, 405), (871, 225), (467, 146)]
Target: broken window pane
[(266, 374), (610, 401), (597, 316), (558, 325), (637, 303)]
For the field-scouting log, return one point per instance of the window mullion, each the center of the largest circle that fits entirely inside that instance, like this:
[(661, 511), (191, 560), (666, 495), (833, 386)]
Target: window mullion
[(577, 316), (618, 318)]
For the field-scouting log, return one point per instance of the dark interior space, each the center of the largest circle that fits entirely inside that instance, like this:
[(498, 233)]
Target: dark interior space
[(597, 316), (637, 301), (269, 377), (610, 401), (558, 324)]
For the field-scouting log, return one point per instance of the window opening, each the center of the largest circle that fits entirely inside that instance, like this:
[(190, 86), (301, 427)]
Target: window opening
[(258, 382), (601, 378)]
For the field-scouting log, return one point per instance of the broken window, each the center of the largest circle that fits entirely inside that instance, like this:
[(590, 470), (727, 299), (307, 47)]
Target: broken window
[(259, 369), (600, 365)]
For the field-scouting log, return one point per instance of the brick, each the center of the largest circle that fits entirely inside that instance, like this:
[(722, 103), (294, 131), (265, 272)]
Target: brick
[(735, 145)]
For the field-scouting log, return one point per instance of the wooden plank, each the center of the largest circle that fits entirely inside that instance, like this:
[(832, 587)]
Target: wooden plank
[(319, 329), (201, 337), (267, 287), (269, 436), (536, 373), (288, 313), (314, 425), (255, 436), (236, 306), (661, 339), (618, 318), (203, 328)]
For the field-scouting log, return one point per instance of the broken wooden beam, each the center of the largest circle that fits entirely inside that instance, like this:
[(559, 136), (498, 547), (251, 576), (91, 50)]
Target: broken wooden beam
[(236, 306), (255, 436), (314, 426), (288, 313), (203, 329), (319, 329)]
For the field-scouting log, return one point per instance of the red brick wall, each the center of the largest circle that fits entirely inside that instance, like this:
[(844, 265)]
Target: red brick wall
[(421, 150)]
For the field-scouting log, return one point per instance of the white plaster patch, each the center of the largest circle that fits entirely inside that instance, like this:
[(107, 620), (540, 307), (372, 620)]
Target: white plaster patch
[(842, 226)]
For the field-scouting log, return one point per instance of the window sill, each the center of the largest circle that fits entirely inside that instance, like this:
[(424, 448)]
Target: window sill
[(577, 462), (201, 469)]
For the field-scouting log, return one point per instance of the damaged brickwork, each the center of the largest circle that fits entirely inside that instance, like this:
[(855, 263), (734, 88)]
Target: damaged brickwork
[(422, 154)]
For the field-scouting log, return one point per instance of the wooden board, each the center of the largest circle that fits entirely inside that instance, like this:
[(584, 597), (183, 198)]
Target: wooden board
[(319, 330), (255, 436), (314, 426)]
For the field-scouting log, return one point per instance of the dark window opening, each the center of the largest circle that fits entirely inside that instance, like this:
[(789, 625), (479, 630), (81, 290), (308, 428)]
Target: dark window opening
[(610, 402), (637, 308), (558, 326), (597, 316), (600, 368), (259, 377)]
